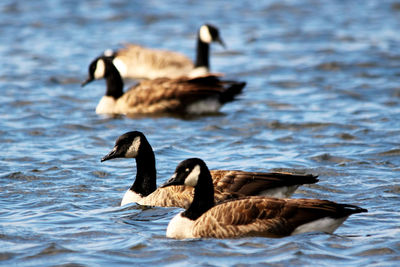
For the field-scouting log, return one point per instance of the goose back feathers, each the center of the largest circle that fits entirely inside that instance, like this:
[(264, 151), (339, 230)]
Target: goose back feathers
[(276, 184), (135, 61)]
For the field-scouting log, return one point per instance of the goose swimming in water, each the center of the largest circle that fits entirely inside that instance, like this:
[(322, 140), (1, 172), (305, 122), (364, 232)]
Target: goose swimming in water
[(182, 96), (228, 183), (248, 216), (136, 62)]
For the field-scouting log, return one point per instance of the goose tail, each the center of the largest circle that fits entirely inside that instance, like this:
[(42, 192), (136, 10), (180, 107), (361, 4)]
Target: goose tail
[(233, 89)]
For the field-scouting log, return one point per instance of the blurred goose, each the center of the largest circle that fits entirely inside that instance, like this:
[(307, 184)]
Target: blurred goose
[(134, 61), (248, 216), (183, 95), (228, 184)]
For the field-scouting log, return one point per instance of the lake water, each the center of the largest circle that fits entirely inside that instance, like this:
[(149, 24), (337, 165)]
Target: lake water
[(322, 96)]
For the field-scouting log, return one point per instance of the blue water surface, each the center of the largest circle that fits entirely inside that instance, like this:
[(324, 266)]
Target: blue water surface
[(322, 97)]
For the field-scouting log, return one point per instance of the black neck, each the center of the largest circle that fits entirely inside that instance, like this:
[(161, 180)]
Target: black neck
[(202, 56), (203, 199), (114, 81), (146, 175)]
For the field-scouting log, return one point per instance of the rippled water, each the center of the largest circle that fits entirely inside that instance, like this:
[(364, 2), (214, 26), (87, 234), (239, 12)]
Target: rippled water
[(323, 96)]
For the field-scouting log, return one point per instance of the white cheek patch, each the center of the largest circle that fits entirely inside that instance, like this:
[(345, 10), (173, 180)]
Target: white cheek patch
[(205, 34), (121, 67), (193, 177), (100, 68), (133, 149)]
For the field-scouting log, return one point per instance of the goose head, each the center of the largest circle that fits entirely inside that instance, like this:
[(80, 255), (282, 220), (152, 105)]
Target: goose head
[(128, 145), (188, 172), (98, 68), (209, 33)]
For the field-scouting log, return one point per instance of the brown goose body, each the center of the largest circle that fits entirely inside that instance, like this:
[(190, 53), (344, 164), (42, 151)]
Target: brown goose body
[(135, 61), (261, 216), (179, 96), (228, 184), (248, 216)]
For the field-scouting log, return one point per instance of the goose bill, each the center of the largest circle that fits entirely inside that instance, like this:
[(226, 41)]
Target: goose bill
[(88, 80), (221, 42), (171, 181), (111, 155)]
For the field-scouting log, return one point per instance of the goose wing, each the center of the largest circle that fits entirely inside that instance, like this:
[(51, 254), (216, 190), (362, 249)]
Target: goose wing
[(253, 183), (270, 217), (153, 63), (173, 95)]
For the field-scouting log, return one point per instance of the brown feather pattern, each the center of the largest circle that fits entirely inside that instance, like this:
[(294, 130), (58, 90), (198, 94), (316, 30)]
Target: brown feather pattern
[(253, 183), (173, 196), (170, 95), (262, 216), (153, 63), (181, 196)]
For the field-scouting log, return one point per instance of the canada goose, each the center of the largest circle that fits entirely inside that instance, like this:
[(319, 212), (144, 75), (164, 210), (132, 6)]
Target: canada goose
[(228, 184), (248, 216), (163, 95), (134, 61)]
